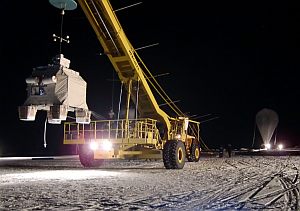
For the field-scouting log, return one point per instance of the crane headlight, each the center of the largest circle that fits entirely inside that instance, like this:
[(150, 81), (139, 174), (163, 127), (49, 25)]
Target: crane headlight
[(178, 136), (106, 145), (94, 145), (280, 146)]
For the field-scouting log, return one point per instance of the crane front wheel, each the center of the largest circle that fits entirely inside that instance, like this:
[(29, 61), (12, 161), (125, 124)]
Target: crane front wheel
[(174, 154), (86, 155)]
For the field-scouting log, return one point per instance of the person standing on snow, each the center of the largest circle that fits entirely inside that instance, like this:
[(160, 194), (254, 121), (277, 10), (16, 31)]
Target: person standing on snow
[(229, 150), (221, 152)]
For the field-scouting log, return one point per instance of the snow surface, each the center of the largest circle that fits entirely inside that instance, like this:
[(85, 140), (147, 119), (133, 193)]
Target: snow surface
[(236, 183)]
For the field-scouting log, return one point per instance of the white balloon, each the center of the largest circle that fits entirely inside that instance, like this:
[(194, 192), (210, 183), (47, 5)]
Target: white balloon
[(266, 121)]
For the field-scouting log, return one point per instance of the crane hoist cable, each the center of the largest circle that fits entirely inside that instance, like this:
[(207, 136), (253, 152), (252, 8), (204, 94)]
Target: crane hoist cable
[(168, 100), (119, 109), (161, 93), (203, 143), (199, 138), (120, 99), (137, 99), (106, 29), (112, 90)]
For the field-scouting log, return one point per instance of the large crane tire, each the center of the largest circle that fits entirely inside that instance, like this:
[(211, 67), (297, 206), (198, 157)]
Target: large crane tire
[(174, 154), (195, 152), (86, 156), (166, 156)]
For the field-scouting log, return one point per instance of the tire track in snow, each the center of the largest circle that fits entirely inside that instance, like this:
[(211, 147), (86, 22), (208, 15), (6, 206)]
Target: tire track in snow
[(254, 200), (237, 182), (251, 194)]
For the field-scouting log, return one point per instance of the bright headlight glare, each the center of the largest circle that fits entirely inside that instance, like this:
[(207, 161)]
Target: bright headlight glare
[(280, 146), (178, 136), (106, 145), (268, 146), (94, 145)]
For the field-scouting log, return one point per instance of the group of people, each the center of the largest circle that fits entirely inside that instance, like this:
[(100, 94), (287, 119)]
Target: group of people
[(228, 149)]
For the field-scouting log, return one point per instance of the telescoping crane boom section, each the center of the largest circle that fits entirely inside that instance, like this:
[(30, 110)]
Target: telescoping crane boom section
[(122, 55)]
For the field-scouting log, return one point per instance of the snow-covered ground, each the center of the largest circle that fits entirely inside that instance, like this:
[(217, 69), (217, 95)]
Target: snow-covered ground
[(239, 182)]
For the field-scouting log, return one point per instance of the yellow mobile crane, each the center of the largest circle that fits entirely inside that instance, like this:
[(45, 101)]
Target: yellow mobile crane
[(152, 134), (131, 138)]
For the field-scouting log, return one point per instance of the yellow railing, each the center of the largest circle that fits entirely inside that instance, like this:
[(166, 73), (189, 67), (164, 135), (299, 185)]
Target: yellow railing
[(111, 129)]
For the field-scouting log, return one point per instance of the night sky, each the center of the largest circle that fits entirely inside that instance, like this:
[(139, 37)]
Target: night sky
[(226, 59)]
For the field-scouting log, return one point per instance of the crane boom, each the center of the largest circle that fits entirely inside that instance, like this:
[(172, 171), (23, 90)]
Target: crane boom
[(152, 134), (122, 55)]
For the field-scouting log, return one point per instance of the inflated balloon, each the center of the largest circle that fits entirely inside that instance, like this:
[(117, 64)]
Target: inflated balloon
[(266, 121)]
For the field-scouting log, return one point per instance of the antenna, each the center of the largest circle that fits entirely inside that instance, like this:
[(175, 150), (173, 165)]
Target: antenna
[(127, 6), (62, 5)]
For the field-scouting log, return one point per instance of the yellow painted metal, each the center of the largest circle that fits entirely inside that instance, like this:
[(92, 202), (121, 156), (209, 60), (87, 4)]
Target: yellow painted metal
[(133, 138), (74, 141), (141, 137), (100, 154), (128, 105), (131, 154), (180, 155), (139, 131), (122, 55)]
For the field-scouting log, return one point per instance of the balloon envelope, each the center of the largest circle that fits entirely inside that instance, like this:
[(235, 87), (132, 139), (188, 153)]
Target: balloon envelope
[(266, 121)]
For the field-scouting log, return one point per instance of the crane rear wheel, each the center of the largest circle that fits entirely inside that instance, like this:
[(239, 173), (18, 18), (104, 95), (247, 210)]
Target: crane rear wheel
[(195, 152)]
